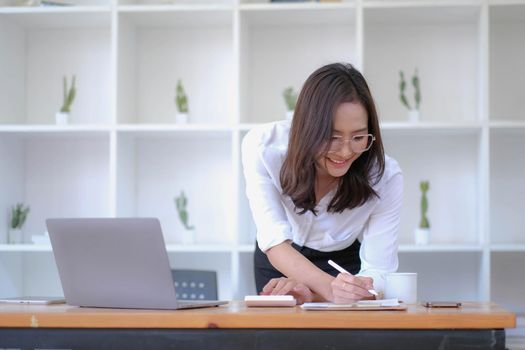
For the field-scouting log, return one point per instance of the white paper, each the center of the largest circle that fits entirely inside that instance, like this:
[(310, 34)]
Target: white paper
[(362, 303), (381, 302)]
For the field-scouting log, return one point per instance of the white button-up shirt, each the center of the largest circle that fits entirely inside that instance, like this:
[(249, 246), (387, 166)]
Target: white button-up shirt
[(375, 223)]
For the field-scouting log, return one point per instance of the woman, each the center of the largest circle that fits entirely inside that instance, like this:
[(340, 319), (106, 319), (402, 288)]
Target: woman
[(322, 188)]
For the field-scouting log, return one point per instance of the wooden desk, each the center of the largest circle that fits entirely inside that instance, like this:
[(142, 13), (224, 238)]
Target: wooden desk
[(235, 326)]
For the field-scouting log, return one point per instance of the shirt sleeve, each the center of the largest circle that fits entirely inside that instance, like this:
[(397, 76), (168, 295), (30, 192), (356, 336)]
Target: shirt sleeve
[(379, 246), (264, 197)]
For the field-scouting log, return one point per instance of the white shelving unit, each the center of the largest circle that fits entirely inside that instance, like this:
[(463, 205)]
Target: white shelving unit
[(122, 154)]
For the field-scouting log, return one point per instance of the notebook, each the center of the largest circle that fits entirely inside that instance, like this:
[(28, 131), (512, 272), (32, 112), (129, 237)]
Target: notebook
[(115, 263), (362, 305)]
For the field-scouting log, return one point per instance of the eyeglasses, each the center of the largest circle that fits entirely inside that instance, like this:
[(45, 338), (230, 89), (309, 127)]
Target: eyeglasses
[(358, 143)]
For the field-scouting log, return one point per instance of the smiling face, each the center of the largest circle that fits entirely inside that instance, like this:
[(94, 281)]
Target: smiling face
[(350, 119)]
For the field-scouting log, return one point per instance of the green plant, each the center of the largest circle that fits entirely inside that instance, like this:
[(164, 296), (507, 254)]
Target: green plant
[(69, 95), (424, 186), (18, 216), (181, 99), (402, 88), (290, 98), (181, 202)]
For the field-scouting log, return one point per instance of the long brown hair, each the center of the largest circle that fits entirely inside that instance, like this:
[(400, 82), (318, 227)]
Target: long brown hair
[(324, 90)]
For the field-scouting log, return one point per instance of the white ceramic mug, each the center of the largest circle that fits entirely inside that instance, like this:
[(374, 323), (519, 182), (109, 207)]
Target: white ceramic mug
[(401, 285)]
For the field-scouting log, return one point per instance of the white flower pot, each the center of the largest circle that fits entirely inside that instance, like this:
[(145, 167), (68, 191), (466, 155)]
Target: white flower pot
[(422, 236), (15, 236), (181, 118), (61, 118), (414, 115), (188, 237), (289, 115)]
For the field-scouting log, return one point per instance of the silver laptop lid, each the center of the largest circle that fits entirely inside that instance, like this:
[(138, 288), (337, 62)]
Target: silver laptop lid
[(113, 262)]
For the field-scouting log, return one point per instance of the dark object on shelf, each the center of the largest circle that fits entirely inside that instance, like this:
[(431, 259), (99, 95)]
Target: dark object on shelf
[(195, 284)]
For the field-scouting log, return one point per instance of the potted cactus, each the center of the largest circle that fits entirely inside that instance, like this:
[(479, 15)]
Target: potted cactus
[(181, 203), (181, 101), (413, 112), (422, 234), (290, 99), (70, 93), (18, 218)]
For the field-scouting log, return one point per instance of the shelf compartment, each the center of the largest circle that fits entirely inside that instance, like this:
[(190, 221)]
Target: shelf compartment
[(57, 176), (422, 37), (246, 276), (154, 168), (156, 48), (39, 49), (508, 280), (450, 163), (282, 46), (460, 282), (507, 189), (219, 262), (506, 57), (29, 274)]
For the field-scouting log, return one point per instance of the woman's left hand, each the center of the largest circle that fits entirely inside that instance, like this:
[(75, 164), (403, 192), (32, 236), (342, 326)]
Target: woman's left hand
[(288, 286)]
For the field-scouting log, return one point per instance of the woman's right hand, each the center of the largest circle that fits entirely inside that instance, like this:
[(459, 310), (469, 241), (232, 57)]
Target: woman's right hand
[(347, 289), (288, 286)]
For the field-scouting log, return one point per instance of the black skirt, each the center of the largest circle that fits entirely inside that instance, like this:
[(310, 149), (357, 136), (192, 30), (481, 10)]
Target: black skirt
[(347, 258)]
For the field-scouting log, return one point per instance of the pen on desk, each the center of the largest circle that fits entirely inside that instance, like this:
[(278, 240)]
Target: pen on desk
[(340, 269)]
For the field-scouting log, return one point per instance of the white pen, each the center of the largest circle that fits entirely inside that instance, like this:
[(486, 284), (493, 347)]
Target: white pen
[(340, 269)]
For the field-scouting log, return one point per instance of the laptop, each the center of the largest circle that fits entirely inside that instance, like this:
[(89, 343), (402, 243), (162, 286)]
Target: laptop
[(115, 263)]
